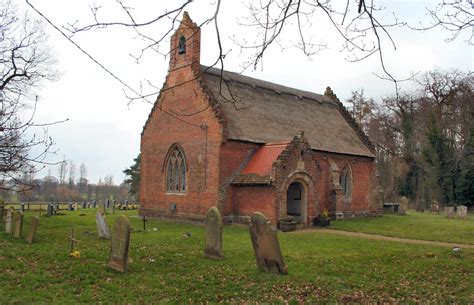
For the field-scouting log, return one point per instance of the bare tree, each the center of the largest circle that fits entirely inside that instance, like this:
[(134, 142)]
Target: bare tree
[(72, 173), (24, 63), (62, 171), (454, 16)]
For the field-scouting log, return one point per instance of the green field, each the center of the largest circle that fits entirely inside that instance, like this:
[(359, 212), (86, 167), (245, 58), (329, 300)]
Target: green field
[(414, 225), (166, 266)]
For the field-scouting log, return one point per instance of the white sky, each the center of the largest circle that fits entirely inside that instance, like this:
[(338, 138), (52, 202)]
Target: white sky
[(104, 132)]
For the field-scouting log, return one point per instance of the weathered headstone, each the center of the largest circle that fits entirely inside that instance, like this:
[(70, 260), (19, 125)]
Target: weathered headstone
[(102, 207), (449, 212), (94, 204), (403, 207), (18, 224), (435, 207), (102, 226), (213, 234), (2, 212), (112, 207), (84, 205), (266, 246), (118, 257), (22, 207), (69, 207), (33, 227), (50, 210), (9, 221), (461, 211)]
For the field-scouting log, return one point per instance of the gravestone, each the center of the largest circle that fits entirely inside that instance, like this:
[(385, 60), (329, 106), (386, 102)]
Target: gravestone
[(102, 226), (213, 234), (102, 207), (18, 224), (449, 212), (118, 257), (69, 207), (33, 227), (461, 211), (84, 205), (22, 206), (112, 207), (50, 211), (403, 207), (94, 204), (435, 207), (266, 246), (9, 221), (2, 212)]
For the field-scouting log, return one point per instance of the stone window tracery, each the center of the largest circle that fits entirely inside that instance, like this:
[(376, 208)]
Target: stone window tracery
[(176, 171), (345, 180)]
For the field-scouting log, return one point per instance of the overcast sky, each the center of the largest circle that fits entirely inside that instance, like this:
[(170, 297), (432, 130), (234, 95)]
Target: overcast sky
[(103, 130)]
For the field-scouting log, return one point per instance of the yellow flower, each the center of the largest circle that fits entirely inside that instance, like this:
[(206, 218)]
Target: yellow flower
[(75, 254)]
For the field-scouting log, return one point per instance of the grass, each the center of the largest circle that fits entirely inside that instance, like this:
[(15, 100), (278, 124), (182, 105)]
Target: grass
[(165, 266), (414, 225)]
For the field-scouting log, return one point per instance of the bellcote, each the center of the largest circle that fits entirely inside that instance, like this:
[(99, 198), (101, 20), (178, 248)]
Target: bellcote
[(185, 46)]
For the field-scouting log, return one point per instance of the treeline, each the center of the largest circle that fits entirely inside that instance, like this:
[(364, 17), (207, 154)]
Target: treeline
[(67, 186), (424, 139)]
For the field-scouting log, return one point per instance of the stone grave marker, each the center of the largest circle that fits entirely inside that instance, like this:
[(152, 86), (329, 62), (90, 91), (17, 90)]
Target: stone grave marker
[(461, 211), (403, 207), (2, 212), (435, 207), (18, 224), (118, 257), (33, 227), (84, 205), (69, 207), (9, 221), (50, 210), (22, 206), (102, 226), (94, 204), (213, 234), (449, 212), (102, 207), (266, 246), (112, 207)]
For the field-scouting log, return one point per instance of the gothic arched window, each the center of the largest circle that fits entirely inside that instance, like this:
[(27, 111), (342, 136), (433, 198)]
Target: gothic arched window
[(345, 180), (182, 45), (176, 170)]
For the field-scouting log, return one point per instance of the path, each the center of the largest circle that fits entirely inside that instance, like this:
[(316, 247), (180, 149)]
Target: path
[(389, 238)]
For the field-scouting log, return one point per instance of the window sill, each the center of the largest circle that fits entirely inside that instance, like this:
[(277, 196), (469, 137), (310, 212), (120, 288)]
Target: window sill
[(176, 193)]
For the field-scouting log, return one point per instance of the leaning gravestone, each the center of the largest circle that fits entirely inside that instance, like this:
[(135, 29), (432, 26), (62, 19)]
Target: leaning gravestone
[(449, 212), (118, 257), (9, 221), (102, 226), (403, 207), (18, 224), (213, 234), (33, 227), (461, 211), (266, 246)]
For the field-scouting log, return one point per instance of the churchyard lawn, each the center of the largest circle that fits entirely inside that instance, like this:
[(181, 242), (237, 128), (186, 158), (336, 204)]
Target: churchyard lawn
[(168, 265), (414, 225)]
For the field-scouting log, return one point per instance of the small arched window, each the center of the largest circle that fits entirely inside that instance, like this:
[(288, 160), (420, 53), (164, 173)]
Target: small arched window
[(182, 45), (176, 170), (345, 180)]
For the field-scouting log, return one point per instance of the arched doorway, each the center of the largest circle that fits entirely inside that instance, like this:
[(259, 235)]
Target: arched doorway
[(296, 202)]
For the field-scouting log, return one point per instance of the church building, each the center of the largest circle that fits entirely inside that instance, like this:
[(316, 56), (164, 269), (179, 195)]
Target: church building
[(244, 145)]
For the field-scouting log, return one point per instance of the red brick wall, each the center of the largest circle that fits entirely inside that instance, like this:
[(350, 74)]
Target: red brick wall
[(234, 155), (162, 130), (250, 199)]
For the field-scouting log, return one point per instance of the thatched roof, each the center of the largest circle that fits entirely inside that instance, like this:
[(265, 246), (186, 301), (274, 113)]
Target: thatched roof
[(263, 112)]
